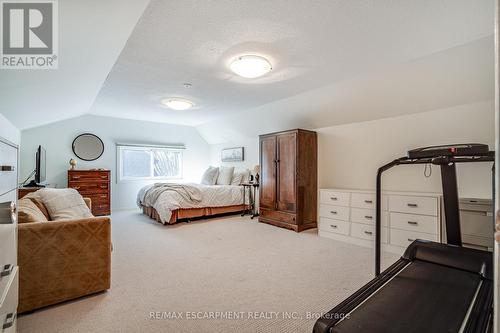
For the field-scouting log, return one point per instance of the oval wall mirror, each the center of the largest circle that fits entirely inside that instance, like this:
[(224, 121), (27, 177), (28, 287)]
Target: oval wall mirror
[(88, 147)]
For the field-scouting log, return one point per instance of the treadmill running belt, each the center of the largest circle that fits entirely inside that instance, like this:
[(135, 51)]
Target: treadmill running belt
[(440, 294)]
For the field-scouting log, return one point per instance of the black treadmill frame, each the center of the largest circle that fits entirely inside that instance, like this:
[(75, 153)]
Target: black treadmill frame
[(450, 194)]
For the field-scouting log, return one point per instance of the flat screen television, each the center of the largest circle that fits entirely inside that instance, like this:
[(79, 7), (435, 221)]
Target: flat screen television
[(40, 169)]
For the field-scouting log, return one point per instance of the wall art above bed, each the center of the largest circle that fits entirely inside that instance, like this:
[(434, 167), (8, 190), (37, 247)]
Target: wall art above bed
[(235, 154)]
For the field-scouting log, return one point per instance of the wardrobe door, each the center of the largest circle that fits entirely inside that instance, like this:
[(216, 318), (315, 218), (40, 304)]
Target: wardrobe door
[(268, 172), (287, 148)]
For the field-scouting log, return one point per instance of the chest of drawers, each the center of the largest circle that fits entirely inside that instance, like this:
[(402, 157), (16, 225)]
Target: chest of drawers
[(349, 215), (8, 236), (93, 184)]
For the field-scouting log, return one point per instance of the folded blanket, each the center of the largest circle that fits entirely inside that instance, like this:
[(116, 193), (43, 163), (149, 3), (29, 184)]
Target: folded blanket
[(188, 192)]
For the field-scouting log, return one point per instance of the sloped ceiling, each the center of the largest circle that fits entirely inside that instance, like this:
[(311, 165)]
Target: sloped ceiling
[(334, 62), (92, 33)]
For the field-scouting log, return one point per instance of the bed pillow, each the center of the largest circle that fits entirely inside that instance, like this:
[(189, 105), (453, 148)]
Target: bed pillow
[(225, 175), (240, 176), (210, 176), (64, 204)]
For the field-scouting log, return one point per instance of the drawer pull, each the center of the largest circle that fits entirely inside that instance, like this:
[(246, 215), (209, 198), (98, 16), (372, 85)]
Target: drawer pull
[(7, 168), (7, 269), (412, 205), (412, 222), (104, 177), (103, 186), (368, 201), (76, 187), (368, 217), (333, 226), (334, 198), (104, 196), (76, 177), (333, 212), (410, 240), (368, 232), (9, 321)]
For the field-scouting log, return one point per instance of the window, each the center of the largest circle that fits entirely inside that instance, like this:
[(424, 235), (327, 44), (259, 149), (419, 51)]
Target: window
[(142, 162)]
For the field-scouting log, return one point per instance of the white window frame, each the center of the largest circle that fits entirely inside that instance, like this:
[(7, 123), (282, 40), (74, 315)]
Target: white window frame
[(121, 147)]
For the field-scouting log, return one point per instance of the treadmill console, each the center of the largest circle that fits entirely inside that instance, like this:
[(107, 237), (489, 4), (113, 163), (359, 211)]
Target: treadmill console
[(467, 149)]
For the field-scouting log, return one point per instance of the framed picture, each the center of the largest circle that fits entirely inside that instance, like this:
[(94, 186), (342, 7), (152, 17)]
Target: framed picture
[(232, 154)]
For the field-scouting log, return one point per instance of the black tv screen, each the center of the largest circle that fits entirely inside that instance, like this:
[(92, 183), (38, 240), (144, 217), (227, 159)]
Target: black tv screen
[(41, 170)]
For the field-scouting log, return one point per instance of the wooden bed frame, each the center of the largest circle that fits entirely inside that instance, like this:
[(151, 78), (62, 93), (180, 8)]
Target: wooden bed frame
[(189, 213)]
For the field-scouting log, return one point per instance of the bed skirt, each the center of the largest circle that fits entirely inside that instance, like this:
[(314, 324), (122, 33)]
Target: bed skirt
[(189, 213)]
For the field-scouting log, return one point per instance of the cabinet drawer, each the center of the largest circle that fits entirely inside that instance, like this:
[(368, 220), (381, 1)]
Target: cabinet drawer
[(9, 299), (278, 216), (413, 204), (335, 198), (404, 238), (366, 200), (411, 222), (89, 188), (367, 216), (336, 226), (367, 232), (8, 168), (334, 212), (88, 176)]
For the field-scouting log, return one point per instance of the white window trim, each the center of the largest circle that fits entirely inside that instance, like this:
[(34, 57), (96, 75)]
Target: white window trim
[(119, 166)]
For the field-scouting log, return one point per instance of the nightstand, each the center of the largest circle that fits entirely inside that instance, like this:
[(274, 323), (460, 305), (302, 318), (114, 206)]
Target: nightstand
[(252, 192)]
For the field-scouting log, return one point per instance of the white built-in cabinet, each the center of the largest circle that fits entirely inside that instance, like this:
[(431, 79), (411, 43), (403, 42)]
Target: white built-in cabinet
[(349, 216), (8, 237)]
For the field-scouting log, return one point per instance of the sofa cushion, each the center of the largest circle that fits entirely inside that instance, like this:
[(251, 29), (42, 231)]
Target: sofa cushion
[(28, 212), (33, 196), (64, 204)]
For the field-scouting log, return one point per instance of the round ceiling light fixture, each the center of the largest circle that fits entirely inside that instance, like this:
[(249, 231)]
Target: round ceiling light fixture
[(177, 103), (250, 66)]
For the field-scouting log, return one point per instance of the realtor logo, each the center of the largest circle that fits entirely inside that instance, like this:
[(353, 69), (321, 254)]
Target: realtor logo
[(29, 34)]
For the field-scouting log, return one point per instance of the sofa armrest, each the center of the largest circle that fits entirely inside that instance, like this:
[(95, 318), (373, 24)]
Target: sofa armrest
[(62, 260)]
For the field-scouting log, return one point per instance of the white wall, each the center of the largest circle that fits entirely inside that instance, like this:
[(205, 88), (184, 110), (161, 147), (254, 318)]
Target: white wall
[(349, 155), (9, 131), (251, 151), (56, 138)]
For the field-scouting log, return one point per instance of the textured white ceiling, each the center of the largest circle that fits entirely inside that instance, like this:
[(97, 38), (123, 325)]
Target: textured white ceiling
[(312, 44), (92, 34)]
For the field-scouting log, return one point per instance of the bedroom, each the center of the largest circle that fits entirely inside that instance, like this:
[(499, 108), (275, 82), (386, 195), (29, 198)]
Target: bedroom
[(364, 81)]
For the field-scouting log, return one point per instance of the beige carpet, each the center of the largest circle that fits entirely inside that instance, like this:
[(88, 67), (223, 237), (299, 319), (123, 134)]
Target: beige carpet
[(232, 265)]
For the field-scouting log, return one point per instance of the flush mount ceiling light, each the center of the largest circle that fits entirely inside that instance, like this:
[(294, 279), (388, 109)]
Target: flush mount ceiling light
[(251, 66), (177, 103)]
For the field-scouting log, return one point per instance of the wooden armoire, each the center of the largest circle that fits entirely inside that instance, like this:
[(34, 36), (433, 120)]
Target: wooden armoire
[(289, 178)]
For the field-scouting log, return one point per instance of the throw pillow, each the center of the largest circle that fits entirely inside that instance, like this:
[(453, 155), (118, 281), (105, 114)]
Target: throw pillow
[(210, 176), (28, 212), (36, 200), (240, 176), (64, 204), (225, 175)]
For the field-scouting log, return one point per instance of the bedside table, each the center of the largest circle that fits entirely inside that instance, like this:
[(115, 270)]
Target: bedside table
[(252, 191)]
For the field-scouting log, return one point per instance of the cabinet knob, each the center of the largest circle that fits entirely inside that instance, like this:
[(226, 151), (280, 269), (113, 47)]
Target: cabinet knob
[(333, 212), (368, 201), (412, 222), (368, 217), (333, 226), (412, 205), (333, 198), (368, 232)]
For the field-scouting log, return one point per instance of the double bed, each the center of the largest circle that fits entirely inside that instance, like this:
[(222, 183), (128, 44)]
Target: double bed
[(168, 202)]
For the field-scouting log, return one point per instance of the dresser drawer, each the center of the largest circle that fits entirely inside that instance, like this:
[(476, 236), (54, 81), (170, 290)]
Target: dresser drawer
[(336, 226), (89, 188), (278, 216), (9, 301), (335, 198), (88, 176), (367, 232), (8, 168), (404, 238), (334, 212), (413, 205), (366, 200), (412, 222), (367, 216)]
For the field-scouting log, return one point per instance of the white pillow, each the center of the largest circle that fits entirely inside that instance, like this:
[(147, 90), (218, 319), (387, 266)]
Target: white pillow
[(225, 175), (210, 176), (240, 176), (64, 204)]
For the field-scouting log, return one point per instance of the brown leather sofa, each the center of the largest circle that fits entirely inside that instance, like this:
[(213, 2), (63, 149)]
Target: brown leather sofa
[(63, 260)]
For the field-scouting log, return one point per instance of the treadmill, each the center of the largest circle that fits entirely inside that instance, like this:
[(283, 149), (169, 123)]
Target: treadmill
[(433, 287)]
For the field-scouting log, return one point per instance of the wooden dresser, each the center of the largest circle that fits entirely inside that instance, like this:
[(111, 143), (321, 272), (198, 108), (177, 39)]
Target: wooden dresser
[(288, 183), (93, 184), (9, 281)]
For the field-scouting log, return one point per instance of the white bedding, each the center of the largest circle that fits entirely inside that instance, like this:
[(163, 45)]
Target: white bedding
[(211, 196)]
